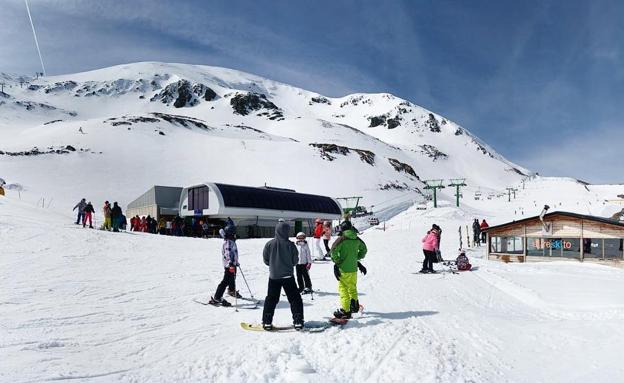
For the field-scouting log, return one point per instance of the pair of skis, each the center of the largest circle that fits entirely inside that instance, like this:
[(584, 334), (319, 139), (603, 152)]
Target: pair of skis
[(253, 301)]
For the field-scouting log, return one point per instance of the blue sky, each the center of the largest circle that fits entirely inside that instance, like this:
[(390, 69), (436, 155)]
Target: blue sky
[(540, 81)]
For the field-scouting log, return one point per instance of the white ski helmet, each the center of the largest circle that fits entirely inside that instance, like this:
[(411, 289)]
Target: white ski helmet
[(300, 235)]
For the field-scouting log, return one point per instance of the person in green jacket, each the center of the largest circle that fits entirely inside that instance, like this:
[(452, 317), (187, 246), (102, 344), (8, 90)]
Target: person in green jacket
[(346, 253)]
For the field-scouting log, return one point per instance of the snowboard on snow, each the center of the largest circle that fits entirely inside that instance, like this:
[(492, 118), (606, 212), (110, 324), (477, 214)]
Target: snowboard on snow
[(343, 321), (310, 327)]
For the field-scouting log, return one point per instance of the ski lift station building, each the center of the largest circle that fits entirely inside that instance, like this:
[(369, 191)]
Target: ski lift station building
[(562, 236), (158, 201), (255, 210)]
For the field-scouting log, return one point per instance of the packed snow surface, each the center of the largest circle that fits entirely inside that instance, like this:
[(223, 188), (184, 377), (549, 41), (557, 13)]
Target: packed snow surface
[(88, 305)]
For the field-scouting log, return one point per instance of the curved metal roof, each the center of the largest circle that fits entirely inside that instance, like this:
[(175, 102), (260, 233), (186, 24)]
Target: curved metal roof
[(275, 199)]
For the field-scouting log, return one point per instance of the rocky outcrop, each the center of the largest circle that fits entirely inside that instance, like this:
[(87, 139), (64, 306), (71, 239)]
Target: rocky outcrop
[(246, 103), (403, 167), (184, 94), (187, 122), (319, 100), (432, 124), (432, 152), (329, 152), (384, 120), (50, 150)]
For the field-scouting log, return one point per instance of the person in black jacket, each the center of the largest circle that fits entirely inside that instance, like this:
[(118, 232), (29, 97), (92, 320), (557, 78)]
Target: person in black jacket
[(88, 211), (116, 216), (476, 232)]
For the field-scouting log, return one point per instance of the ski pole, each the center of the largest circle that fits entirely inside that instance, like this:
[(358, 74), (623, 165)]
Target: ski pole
[(245, 279)]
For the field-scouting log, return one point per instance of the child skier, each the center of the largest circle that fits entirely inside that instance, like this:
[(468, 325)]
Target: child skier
[(304, 264), (281, 256), (346, 253), (229, 251)]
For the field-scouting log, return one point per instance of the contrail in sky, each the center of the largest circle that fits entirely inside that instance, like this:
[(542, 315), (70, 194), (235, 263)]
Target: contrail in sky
[(36, 40)]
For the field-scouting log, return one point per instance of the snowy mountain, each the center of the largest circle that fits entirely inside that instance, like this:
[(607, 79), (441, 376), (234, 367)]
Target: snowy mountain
[(115, 132)]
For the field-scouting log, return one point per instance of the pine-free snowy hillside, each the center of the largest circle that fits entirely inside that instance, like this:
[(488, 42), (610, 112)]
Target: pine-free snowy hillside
[(115, 132), (95, 306)]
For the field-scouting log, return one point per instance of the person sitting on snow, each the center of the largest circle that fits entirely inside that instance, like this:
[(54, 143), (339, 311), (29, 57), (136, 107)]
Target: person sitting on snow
[(463, 264)]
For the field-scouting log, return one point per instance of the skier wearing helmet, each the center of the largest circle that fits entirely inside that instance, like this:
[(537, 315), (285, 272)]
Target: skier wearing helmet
[(229, 251), (304, 264)]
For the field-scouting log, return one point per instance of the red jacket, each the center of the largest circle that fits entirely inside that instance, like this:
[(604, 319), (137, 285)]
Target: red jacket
[(318, 230), (484, 225)]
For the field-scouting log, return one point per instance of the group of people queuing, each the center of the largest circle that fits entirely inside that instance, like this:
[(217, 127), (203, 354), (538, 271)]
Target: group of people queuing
[(176, 226), (113, 216), (285, 258), (478, 231)]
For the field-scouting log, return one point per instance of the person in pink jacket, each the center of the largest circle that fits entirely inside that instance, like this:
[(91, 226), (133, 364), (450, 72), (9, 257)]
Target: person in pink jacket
[(430, 243)]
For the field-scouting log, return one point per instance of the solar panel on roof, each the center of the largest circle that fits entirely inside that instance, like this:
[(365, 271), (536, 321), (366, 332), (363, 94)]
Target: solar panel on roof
[(257, 198)]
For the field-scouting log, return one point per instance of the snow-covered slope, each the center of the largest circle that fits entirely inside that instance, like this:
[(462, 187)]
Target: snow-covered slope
[(88, 305), (142, 124)]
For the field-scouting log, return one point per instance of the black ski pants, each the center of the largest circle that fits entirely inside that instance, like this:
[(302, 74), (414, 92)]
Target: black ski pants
[(430, 256), (273, 295), (326, 243), (303, 277), (229, 280)]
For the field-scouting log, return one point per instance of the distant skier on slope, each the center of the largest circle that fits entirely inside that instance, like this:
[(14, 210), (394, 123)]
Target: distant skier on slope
[(229, 253), (304, 264), (81, 213), (116, 214), (281, 255), (346, 252), (106, 212), (88, 211)]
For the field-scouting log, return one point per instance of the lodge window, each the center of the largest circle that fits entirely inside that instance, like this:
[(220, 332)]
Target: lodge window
[(608, 248), (198, 198), (507, 245)]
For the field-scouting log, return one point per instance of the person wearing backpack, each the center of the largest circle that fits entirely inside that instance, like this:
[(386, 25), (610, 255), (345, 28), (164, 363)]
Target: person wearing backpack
[(346, 253), (281, 255)]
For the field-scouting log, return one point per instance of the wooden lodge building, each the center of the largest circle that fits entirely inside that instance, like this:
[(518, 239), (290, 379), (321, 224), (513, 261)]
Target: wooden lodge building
[(561, 235)]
